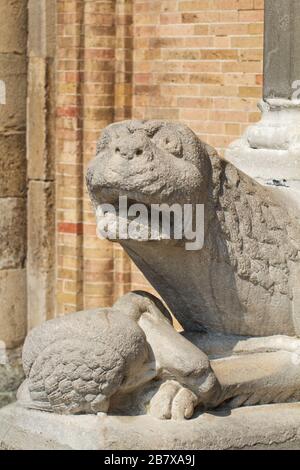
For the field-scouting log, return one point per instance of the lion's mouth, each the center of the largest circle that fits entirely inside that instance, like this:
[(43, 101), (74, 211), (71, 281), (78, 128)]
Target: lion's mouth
[(112, 195), (127, 217)]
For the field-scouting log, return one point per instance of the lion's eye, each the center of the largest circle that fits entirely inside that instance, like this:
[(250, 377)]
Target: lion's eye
[(169, 142)]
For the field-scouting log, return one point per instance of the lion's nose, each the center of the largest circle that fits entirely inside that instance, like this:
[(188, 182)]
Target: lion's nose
[(129, 151)]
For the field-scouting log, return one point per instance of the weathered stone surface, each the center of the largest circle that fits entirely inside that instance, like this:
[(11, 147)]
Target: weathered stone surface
[(12, 165), (41, 135), (260, 427), (40, 163), (13, 323), (36, 126), (13, 27), (13, 71), (13, 74), (40, 259), (12, 232), (11, 374)]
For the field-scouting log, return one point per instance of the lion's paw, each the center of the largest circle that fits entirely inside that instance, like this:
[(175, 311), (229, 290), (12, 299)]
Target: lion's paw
[(173, 401)]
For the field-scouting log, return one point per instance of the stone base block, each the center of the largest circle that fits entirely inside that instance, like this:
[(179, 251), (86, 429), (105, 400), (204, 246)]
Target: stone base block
[(258, 427)]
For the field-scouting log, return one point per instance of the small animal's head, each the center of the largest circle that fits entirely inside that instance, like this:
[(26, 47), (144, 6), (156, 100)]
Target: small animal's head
[(150, 162)]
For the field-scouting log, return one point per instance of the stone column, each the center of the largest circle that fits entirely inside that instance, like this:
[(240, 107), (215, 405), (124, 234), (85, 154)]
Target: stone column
[(270, 150), (40, 157), (281, 48), (13, 39)]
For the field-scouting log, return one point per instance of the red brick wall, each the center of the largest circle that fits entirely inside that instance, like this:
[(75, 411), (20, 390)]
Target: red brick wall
[(200, 62), (196, 61)]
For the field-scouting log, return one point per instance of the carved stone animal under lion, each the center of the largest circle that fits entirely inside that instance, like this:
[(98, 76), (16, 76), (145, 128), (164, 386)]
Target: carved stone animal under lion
[(126, 359)]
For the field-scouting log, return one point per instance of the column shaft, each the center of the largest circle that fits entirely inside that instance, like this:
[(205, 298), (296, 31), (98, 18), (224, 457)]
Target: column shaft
[(40, 157), (281, 48)]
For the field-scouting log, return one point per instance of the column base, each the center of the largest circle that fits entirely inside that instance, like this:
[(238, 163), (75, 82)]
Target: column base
[(258, 427), (269, 151)]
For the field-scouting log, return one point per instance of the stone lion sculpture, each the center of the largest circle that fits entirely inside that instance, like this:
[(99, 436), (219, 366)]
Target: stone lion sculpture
[(237, 298)]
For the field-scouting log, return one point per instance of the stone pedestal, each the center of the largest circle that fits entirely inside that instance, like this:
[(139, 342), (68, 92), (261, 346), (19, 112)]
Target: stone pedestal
[(258, 427), (269, 151)]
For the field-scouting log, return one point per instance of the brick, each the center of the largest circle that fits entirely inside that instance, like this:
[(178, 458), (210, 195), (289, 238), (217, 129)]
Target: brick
[(251, 15), (219, 54), (254, 116), (228, 116), (221, 42), (70, 228), (246, 42), (200, 66), (259, 4), (180, 90), (170, 18), (225, 4), (176, 30), (194, 5), (228, 29), (193, 114), (203, 18), (243, 67), (232, 129), (249, 55), (195, 102), (253, 92), (245, 4), (207, 78), (259, 79), (256, 28)]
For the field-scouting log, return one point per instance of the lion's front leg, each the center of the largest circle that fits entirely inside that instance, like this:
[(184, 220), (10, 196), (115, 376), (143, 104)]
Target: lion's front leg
[(183, 370)]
